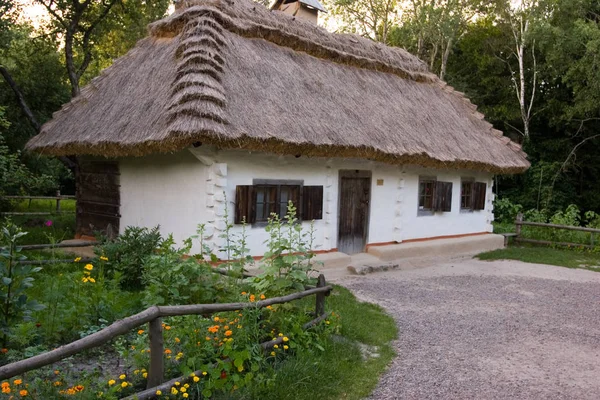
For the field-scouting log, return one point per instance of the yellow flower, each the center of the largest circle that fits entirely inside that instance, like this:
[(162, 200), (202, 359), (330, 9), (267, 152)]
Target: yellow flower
[(158, 392), (57, 383), (174, 390), (273, 353), (137, 371), (286, 347), (239, 327), (78, 259), (327, 322), (89, 267), (177, 383), (281, 334), (204, 373), (183, 390), (196, 379), (185, 395), (124, 384), (92, 280), (23, 393), (17, 382), (111, 382), (187, 385), (276, 346), (167, 327), (177, 340), (240, 368), (103, 258), (122, 376), (84, 279), (285, 339), (145, 374)]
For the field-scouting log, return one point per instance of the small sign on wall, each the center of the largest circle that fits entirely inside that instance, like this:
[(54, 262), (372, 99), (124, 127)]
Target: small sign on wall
[(379, 182)]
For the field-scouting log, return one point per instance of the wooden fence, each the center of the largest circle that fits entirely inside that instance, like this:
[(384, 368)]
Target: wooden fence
[(57, 198), (520, 223), (153, 316)]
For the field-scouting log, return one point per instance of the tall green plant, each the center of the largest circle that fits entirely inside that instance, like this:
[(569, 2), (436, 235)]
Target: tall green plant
[(15, 278), (287, 262)]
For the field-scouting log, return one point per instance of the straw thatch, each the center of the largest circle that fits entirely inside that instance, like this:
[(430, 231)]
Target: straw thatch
[(236, 75)]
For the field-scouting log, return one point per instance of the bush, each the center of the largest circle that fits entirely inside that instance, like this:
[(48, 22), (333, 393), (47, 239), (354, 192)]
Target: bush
[(505, 210), (128, 252)]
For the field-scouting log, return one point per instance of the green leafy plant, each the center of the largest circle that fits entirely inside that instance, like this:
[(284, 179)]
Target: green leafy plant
[(126, 254), (15, 278), (287, 262)]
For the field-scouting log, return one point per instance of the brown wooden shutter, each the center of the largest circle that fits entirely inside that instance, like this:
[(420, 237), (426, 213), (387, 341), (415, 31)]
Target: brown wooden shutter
[(245, 204), (479, 192), (442, 200), (312, 203)]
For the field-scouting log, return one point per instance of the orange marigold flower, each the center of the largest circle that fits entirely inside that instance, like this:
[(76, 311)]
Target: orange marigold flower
[(5, 389), (244, 293), (262, 297), (4, 350), (79, 388), (18, 381), (168, 351), (141, 331), (23, 393), (177, 340), (252, 298), (57, 383), (168, 328), (228, 333)]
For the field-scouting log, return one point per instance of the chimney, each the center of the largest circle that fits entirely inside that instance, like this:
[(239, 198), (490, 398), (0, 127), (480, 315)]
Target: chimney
[(307, 10)]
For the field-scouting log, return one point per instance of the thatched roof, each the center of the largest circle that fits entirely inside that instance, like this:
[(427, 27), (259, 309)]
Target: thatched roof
[(233, 74)]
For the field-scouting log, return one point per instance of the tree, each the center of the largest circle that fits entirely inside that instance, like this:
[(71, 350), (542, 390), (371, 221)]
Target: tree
[(431, 28), (78, 22), (369, 18)]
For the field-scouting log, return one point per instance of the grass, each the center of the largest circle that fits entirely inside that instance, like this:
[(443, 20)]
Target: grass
[(339, 371), (63, 225), (546, 255)]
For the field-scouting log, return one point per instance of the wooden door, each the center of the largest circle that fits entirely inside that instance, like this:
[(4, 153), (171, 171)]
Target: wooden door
[(355, 195)]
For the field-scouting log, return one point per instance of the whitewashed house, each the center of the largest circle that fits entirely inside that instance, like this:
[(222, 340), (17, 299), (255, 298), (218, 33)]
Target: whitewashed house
[(228, 105)]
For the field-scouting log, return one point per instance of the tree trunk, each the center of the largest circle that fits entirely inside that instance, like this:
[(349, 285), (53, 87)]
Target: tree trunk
[(445, 59), (71, 70), (20, 99)]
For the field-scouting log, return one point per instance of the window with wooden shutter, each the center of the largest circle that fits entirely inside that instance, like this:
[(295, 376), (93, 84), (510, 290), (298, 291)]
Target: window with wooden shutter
[(312, 203), (245, 202), (466, 194), (442, 197), (479, 194)]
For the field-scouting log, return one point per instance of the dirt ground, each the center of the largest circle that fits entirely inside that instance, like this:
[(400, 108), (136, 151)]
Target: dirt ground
[(471, 329)]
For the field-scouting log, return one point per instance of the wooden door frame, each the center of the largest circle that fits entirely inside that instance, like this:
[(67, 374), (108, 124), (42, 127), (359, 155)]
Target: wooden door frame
[(354, 173)]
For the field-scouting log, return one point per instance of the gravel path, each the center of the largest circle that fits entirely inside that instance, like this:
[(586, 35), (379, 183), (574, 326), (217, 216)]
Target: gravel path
[(490, 330)]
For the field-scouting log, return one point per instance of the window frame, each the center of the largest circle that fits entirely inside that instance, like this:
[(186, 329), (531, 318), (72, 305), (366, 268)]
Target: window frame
[(471, 182), (278, 183), (422, 212)]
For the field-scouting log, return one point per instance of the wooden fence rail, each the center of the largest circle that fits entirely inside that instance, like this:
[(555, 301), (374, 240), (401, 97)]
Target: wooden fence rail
[(57, 198), (152, 316), (519, 223)]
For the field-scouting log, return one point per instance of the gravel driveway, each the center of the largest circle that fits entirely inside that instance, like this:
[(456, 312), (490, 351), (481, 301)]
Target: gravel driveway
[(490, 330)]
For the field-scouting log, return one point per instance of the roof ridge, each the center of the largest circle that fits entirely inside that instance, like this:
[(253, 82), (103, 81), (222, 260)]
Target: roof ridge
[(287, 31)]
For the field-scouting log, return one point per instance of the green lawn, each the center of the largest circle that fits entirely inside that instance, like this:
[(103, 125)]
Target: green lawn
[(339, 371), (41, 227), (546, 255)]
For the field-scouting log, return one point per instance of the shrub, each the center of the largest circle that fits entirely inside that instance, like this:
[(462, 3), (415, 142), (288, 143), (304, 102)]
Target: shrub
[(505, 210), (128, 252)]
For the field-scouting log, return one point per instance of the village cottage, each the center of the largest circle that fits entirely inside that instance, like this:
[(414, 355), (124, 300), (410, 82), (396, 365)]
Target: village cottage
[(230, 108)]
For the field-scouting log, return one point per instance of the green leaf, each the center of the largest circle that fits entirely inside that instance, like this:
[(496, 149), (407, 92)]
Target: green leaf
[(206, 393), (6, 280)]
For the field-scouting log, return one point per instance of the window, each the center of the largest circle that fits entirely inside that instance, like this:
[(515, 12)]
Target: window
[(466, 194), (434, 196), (256, 203), (472, 195), (426, 189)]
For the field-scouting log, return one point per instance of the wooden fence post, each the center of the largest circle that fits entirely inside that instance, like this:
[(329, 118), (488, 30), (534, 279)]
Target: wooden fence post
[(518, 225), (58, 201), (320, 306), (156, 368)]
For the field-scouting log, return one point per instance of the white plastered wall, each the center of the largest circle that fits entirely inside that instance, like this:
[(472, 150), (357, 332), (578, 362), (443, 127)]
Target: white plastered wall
[(180, 191)]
